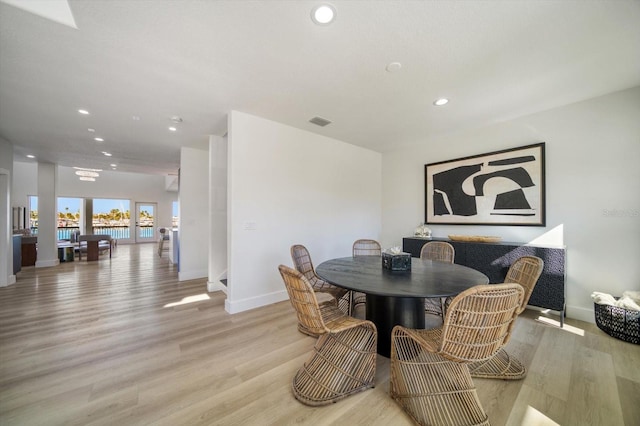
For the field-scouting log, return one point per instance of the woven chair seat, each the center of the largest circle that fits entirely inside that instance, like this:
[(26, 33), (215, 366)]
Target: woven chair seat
[(332, 315), (501, 366)]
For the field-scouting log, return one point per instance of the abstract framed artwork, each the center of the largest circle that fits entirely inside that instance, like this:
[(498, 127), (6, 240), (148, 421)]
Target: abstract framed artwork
[(497, 188)]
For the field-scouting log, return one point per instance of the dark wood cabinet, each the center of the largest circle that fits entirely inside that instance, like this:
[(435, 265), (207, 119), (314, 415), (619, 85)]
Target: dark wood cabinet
[(29, 251), (494, 259)]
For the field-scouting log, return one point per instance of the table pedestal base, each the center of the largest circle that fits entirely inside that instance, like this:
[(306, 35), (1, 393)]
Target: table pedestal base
[(387, 311)]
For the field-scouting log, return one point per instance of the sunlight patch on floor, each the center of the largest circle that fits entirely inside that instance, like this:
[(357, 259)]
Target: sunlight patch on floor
[(533, 417), (566, 327), (189, 299)]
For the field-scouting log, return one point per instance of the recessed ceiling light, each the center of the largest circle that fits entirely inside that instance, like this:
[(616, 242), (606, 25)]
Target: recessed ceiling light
[(30, 156), (98, 139), (87, 179), (86, 173), (106, 153), (83, 111), (86, 168), (441, 102), (173, 129), (91, 130), (323, 14), (113, 165)]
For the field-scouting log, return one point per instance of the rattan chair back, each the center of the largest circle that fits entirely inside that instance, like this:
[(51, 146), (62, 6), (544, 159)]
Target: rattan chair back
[(303, 264), (525, 271), (440, 251), (303, 299), (479, 321), (365, 247), (302, 261)]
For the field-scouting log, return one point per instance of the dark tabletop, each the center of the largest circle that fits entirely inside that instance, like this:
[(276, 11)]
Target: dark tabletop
[(426, 278)]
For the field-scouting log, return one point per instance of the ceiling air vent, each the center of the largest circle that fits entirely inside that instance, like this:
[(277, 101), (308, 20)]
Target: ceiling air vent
[(319, 121)]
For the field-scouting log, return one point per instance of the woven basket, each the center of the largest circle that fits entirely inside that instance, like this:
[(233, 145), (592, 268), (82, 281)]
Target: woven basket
[(618, 322)]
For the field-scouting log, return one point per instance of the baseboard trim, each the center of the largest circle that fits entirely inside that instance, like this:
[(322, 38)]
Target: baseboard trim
[(11, 279), (582, 314), (216, 286), (236, 306), (47, 263), (192, 275)]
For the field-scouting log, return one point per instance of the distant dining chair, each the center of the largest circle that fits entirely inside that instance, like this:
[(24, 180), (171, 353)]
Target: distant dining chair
[(161, 240), (343, 361), (362, 247), (365, 247), (525, 271), (440, 251), (429, 375), (303, 264), (93, 244)]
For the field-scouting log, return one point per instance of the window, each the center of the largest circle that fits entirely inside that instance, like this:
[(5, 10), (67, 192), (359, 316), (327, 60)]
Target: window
[(111, 217), (68, 216), (33, 213)]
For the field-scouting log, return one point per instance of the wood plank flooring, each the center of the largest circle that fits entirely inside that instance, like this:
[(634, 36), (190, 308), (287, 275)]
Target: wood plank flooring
[(121, 341)]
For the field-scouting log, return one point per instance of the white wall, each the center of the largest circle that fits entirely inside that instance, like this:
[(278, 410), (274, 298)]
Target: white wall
[(135, 187), (6, 243), (289, 186), (47, 216), (592, 191), (194, 214), (25, 183), (218, 170)]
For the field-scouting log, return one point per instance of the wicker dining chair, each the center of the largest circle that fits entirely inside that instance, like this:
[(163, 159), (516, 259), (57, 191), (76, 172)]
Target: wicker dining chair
[(524, 271), (343, 361), (363, 247), (440, 251), (302, 263), (429, 378)]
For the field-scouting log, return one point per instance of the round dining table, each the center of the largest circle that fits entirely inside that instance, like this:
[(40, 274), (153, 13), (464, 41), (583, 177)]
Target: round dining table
[(397, 297)]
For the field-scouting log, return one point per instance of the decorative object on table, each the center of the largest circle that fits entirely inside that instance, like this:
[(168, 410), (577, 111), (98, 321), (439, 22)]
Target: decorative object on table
[(429, 377), (618, 317), (343, 361), (498, 188), (395, 259), (475, 238), (525, 271), (423, 231)]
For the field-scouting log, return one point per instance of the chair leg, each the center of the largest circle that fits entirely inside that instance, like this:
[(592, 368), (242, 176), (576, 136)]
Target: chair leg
[(342, 364), (431, 389)]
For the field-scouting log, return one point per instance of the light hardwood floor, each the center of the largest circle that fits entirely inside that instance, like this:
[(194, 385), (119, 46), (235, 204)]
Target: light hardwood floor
[(121, 341)]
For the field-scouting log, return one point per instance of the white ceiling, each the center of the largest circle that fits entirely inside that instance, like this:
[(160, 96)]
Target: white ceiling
[(495, 60)]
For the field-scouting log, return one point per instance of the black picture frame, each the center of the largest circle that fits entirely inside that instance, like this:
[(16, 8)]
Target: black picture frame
[(504, 187)]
